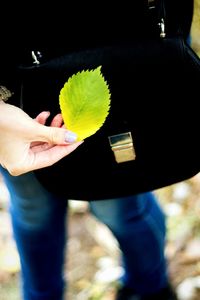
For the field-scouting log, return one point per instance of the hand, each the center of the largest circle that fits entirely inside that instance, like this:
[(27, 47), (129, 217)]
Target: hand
[(26, 144)]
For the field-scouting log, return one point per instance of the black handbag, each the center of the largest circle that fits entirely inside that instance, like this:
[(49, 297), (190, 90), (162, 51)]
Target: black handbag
[(150, 137)]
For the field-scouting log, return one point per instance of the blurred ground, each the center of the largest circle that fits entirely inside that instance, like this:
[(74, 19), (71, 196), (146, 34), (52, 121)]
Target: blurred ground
[(93, 255)]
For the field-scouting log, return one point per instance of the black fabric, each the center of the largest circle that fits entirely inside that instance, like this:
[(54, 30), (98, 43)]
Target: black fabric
[(178, 16), (149, 79), (59, 28), (153, 85)]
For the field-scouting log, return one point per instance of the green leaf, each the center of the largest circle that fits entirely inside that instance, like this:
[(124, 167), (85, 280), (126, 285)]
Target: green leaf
[(85, 102)]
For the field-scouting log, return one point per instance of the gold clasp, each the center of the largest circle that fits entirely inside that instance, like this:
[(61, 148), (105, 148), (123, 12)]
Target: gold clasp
[(122, 146)]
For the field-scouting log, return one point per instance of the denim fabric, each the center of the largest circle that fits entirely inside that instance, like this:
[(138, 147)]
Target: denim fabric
[(39, 226), (138, 224)]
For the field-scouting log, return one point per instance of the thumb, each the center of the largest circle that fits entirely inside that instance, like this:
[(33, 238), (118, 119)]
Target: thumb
[(55, 135)]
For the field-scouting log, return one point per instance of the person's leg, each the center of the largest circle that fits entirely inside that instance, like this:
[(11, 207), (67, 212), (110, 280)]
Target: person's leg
[(38, 220), (138, 224)]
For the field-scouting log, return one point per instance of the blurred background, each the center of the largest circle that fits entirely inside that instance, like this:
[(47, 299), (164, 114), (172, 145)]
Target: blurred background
[(92, 243)]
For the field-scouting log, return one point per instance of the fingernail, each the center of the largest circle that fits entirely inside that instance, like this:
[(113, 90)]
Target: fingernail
[(70, 137)]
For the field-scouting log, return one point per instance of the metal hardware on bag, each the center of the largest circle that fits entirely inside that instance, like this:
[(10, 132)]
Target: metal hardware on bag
[(151, 4), (122, 146), (36, 55), (4, 93), (162, 28), (161, 24)]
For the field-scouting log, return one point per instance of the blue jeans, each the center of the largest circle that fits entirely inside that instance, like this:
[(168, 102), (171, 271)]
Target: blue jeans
[(39, 226)]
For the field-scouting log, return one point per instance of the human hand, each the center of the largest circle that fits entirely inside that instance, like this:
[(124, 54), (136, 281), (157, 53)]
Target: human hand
[(26, 144)]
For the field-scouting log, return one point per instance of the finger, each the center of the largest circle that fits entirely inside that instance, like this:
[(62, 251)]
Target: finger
[(57, 121), (34, 144), (54, 135), (54, 154), (51, 156), (42, 117), (38, 147)]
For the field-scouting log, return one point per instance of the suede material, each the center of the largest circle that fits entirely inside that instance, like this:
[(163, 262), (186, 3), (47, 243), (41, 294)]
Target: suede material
[(148, 79)]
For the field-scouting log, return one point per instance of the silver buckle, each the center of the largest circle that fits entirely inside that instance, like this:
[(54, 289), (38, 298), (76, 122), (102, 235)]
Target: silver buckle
[(36, 55), (162, 28), (122, 147)]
